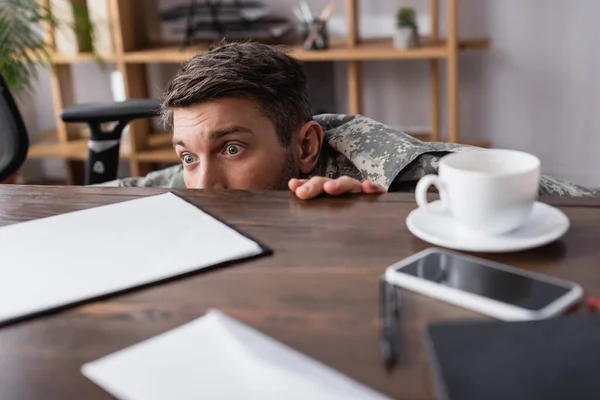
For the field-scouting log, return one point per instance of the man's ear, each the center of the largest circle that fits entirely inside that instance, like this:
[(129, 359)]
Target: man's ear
[(310, 141)]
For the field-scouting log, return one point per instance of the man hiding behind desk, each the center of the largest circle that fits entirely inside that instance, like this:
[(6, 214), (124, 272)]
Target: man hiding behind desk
[(242, 120)]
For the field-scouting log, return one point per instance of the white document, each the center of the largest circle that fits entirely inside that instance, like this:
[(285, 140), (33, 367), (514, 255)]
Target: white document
[(59, 260), (217, 357)]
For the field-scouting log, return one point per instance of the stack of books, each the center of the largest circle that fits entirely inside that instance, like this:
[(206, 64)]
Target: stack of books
[(223, 19)]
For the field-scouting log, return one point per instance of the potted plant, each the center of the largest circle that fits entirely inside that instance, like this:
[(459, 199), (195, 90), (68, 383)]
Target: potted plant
[(22, 45), (406, 35)]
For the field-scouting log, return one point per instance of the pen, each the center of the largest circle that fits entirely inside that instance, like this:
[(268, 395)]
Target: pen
[(308, 15), (299, 15), (323, 18), (389, 315)]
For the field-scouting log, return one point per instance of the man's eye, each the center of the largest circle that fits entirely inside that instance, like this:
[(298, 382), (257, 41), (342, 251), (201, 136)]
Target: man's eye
[(188, 159), (233, 149)]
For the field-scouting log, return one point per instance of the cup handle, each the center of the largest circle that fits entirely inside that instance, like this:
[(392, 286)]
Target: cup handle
[(421, 194)]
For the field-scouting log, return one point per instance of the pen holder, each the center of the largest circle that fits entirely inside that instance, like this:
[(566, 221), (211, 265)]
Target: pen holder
[(314, 35)]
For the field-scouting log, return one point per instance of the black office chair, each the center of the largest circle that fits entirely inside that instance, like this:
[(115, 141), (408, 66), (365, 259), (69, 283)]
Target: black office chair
[(103, 156), (14, 141)]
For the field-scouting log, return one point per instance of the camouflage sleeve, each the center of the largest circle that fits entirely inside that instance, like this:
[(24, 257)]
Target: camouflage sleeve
[(550, 186), (397, 161), (377, 151), (428, 164), (171, 177), (380, 153)]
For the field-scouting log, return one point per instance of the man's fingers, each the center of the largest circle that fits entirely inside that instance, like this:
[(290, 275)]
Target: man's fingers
[(312, 188), (370, 187), (307, 189), (294, 183), (342, 185)]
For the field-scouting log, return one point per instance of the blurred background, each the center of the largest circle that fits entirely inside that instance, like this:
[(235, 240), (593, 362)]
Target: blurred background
[(518, 74)]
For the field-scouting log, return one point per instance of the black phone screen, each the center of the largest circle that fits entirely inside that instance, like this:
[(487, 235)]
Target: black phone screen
[(485, 280)]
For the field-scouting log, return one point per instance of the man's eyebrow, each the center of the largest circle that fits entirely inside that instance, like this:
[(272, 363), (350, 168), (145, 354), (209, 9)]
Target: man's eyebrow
[(230, 130), (178, 142), (218, 134)]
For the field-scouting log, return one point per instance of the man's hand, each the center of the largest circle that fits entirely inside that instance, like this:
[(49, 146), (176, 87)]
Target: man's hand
[(309, 188)]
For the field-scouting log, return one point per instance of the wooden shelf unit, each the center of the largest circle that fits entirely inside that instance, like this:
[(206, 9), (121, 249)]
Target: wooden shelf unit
[(133, 51)]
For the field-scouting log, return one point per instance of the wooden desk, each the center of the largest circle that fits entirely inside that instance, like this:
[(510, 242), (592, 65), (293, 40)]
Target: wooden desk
[(317, 293)]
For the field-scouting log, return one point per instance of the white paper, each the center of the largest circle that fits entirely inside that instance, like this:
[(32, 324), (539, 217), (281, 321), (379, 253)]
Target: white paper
[(217, 357), (63, 259)]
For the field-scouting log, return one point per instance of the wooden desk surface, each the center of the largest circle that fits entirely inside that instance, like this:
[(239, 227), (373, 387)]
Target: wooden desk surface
[(318, 293)]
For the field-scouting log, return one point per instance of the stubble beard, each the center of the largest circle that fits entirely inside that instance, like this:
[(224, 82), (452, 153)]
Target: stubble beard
[(287, 173)]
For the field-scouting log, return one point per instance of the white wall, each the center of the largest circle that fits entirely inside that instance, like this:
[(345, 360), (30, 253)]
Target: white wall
[(537, 89), (540, 90)]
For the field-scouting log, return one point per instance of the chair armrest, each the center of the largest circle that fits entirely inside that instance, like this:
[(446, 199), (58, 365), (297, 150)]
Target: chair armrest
[(111, 111)]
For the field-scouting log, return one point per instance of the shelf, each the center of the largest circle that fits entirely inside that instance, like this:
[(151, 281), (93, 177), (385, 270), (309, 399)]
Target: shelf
[(371, 49), (73, 150), (474, 44), (377, 49), (82, 58), (160, 149)]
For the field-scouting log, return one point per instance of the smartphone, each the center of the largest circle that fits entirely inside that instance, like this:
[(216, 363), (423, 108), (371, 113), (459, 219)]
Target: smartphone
[(490, 288)]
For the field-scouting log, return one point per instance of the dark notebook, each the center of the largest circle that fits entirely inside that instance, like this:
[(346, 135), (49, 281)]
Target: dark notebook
[(556, 358)]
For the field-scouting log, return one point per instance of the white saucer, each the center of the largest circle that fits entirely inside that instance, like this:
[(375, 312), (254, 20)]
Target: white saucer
[(545, 225)]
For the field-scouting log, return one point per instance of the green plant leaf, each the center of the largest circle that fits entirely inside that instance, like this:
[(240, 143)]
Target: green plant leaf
[(22, 44), (406, 17)]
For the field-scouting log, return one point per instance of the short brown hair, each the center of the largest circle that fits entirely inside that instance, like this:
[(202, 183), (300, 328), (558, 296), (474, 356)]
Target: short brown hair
[(258, 72)]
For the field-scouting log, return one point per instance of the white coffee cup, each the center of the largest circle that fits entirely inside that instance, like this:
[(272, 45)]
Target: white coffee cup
[(487, 191)]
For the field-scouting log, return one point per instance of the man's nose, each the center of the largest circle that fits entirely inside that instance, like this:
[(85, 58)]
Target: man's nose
[(210, 177)]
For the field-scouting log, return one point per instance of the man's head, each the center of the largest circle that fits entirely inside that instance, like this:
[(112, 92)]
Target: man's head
[(241, 118)]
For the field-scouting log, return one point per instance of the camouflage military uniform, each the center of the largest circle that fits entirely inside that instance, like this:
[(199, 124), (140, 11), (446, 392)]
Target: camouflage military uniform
[(363, 149)]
